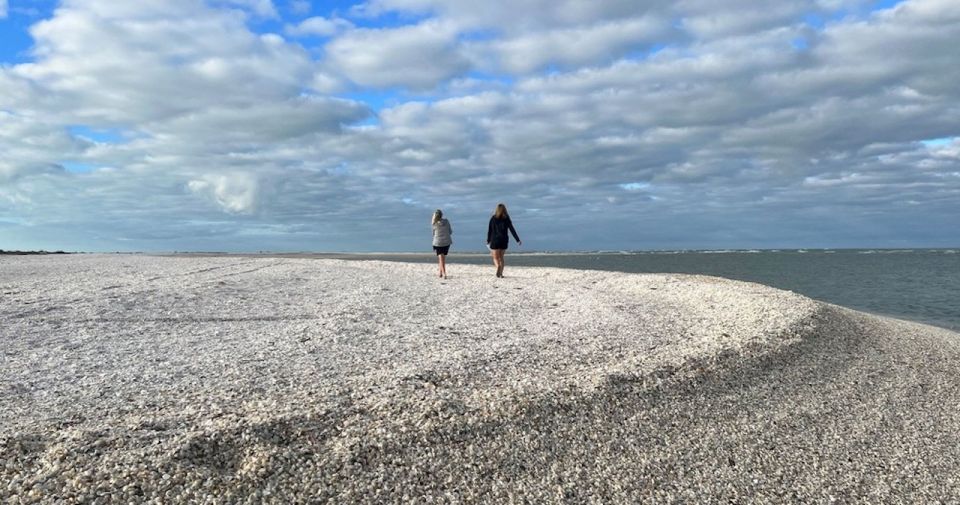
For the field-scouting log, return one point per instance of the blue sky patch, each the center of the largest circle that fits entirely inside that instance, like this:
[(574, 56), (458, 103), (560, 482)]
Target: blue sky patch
[(814, 20), (15, 38), (940, 142), (100, 135), (377, 100)]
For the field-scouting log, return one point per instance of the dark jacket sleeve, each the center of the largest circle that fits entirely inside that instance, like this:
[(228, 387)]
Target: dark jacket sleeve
[(512, 230), (490, 231)]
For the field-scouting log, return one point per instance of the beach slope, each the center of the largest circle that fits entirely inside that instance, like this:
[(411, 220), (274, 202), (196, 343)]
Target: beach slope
[(127, 378)]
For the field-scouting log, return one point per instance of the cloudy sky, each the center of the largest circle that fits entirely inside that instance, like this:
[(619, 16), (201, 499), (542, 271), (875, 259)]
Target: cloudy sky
[(247, 125)]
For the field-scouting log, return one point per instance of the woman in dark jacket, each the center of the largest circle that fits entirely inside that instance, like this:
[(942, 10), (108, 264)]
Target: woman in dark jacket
[(497, 238)]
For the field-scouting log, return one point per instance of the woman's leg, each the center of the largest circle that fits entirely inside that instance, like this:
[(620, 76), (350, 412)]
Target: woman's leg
[(443, 266), (496, 262), (500, 253), (440, 264)]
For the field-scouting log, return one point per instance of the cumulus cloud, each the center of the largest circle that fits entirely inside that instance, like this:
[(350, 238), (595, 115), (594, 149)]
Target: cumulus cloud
[(263, 8), (34, 148), (103, 65), (642, 124), (235, 192), (208, 105), (521, 15), (706, 19), (418, 56), (318, 26), (575, 46)]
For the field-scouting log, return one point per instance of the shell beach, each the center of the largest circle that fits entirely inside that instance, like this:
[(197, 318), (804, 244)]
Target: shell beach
[(129, 378)]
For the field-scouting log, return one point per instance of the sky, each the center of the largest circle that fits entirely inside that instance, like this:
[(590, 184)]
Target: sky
[(288, 125)]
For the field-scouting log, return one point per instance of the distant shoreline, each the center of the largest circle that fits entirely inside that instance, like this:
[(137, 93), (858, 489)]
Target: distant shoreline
[(518, 252), (25, 253)]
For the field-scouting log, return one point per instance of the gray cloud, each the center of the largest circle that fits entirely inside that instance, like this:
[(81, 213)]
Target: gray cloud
[(659, 125), (522, 16), (708, 20), (419, 56), (572, 46)]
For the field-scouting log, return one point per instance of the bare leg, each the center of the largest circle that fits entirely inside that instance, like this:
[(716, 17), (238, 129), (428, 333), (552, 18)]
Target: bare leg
[(496, 262), (443, 266), (440, 264), (500, 265)]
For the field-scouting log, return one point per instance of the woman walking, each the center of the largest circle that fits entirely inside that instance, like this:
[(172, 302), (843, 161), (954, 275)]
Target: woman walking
[(497, 239), (441, 239)]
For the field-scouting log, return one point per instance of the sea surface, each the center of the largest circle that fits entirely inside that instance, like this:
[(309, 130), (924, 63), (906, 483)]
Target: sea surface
[(917, 284)]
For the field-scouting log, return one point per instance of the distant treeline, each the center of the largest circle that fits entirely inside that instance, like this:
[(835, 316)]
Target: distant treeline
[(32, 252)]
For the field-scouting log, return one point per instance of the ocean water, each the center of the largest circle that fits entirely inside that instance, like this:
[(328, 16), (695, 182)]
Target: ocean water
[(916, 284)]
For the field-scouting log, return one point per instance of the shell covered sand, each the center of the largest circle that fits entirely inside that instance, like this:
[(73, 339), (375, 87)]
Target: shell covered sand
[(225, 380)]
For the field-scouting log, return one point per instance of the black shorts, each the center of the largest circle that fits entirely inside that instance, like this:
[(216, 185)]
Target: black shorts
[(441, 249)]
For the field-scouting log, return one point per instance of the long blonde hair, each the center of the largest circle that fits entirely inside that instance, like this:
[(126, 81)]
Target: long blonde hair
[(437, 216), (501, 211)]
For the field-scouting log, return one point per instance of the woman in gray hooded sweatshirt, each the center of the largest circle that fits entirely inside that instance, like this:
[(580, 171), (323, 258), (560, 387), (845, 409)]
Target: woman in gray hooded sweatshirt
[(441, 240)]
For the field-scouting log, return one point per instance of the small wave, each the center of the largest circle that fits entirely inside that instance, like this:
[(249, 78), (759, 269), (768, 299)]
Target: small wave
[(887, 251)]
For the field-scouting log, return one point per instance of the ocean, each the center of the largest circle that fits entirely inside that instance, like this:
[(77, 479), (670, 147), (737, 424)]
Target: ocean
[(916, 284)]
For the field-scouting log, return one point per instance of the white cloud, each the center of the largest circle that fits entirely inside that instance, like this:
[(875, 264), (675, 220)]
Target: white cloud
[(234, 192), (300, 7), (3, 8), (419, 56), (520, 15), (319, 26), (34, 148), (726, 122), (576, 46), (262, 8), (707, 19), (83, 69)]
